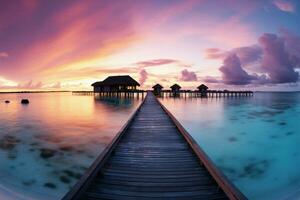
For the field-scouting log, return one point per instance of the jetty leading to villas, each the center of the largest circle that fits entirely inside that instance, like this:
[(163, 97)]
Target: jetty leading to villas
[(153, 157)]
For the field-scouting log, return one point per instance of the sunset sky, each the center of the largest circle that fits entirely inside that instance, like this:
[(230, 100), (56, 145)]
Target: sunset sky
[(67, 45)]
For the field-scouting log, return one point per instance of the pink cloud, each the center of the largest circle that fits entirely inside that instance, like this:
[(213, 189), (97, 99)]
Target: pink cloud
[(215, 53), (30, 85), (143, 76), (284, 5), (188, 76), (3, 55), (56, 85), (156, 62)]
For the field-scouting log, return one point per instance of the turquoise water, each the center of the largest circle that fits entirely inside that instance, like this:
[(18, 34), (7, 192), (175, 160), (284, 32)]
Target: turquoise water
[(255, 140), (47, 145)]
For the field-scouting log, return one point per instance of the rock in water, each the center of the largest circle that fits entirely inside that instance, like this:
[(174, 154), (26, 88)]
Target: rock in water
[(47, 153), (8, 142), (24, 101)]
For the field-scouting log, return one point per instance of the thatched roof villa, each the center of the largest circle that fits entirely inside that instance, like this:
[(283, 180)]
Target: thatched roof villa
[(175, 87), (157, 89), (202, 88), (116, 84)]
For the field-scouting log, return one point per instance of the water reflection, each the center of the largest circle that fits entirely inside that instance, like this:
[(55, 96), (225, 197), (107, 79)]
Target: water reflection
[(48, 144), (257, 139)]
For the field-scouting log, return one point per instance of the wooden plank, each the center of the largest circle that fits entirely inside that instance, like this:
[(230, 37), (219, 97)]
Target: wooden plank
[(188, 194), (93, 170)]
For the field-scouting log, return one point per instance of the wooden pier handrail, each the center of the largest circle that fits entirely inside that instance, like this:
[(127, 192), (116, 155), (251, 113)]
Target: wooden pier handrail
[(231, 190), (96, 166)]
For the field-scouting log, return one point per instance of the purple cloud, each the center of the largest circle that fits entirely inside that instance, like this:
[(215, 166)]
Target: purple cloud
[(210, 79), (277, 62), (247, 54), (233, 73), (275, 58), (143, 76), (284, 5), (292, 43), (188, 75)]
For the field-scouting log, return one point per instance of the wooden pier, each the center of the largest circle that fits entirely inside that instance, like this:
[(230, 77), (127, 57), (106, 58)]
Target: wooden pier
[(208, 93), (169, 93), (120, 93), (153, 157)]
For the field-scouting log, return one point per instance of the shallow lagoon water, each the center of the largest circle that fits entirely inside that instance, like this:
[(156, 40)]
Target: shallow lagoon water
[(47, 145), (254, 140)]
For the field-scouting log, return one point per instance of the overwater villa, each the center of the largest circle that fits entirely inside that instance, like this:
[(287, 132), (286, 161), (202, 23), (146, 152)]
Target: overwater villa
[(116, 84), (157, 89), (175, 89), (202, 88)]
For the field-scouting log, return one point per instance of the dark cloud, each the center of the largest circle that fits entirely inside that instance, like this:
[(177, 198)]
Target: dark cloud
[(233, 73), (188, 75), (143, 76)]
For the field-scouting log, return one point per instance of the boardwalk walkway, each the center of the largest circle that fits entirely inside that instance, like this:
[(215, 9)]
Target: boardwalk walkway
[(152, 160)]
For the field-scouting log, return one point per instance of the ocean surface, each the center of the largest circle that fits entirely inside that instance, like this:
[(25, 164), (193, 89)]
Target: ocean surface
[(47, 145), (255, 140)]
